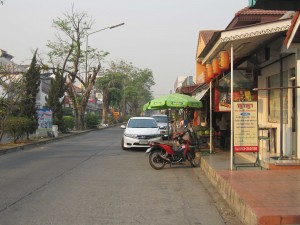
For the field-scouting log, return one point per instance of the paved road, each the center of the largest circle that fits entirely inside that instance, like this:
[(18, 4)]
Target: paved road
[(88, 179)]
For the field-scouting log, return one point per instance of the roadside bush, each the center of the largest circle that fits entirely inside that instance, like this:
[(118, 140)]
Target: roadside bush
[(120, 119), (126, 118), (91, 120), (111, 120), (16, 127), (69, 122), (68, 112)]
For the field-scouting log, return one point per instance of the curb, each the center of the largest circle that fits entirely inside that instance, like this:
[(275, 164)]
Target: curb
[(231, 197), (7, 150)]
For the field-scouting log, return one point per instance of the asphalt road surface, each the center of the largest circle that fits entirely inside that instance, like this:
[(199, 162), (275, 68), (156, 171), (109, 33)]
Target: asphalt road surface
[(88, 179)]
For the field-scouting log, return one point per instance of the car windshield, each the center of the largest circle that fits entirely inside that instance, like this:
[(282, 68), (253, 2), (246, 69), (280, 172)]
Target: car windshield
[(142, 123), (161, 119)]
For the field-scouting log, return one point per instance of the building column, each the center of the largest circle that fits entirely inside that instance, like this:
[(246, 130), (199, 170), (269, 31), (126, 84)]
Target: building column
[(298, 102)]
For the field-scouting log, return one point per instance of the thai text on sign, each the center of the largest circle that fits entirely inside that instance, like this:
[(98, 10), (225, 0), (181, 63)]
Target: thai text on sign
[(245, 127)]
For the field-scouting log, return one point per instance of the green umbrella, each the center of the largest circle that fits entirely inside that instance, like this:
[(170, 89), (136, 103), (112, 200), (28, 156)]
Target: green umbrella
[(173, 101)]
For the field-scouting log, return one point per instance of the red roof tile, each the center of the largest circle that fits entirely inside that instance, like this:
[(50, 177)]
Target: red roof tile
[(247, 11), (246, 17), (188, 89), (293, 23), (206, 35)]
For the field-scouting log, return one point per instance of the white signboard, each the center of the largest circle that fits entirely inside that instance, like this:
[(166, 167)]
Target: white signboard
[(245, 126)]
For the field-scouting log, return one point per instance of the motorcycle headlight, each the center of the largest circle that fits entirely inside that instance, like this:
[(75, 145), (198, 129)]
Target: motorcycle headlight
[(130, 135)]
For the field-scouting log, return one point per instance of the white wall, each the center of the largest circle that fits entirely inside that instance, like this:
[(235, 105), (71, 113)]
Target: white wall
[(273, 69)]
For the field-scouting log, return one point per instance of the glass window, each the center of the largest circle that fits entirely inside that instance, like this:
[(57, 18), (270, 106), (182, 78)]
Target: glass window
[(142, 123), (274, 98), (161, 119)]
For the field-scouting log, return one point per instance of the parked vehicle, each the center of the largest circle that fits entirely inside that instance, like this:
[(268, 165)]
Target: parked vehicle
[(139, 131), (178, 151), (164, 125)]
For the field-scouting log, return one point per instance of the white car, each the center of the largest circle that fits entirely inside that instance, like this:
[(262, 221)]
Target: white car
[(138, 131), (163, 123)]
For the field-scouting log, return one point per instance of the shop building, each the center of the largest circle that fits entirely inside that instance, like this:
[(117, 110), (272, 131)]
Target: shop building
[(262, 64)]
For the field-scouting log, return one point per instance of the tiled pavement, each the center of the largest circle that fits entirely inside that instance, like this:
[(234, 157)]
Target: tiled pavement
[(258, 196)]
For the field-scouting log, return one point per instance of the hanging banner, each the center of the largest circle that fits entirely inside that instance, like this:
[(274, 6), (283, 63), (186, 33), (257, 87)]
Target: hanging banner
[(245, 126)]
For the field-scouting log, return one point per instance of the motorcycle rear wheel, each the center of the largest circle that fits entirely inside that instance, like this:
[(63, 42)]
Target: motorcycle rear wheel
[(195, 161), (156, 161)]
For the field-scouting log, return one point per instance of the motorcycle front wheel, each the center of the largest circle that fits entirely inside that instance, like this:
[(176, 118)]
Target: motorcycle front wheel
[(195, 161), (156, 161)]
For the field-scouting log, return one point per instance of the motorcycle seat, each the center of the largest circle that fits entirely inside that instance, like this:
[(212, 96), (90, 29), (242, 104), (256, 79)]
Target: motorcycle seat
[(165, 143)]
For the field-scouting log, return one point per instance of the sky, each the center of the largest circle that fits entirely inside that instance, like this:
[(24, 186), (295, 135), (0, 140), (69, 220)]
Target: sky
[(160, 35)]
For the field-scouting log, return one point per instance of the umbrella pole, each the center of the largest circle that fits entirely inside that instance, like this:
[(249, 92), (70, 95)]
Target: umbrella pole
[(210, 122), (168, 116), (231, 113)]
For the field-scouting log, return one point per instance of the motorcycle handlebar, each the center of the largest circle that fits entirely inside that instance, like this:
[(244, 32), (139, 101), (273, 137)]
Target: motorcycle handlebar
[(179, 136)]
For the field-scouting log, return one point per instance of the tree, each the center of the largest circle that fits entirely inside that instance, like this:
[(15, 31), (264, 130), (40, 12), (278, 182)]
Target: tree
[(137, 97), (31, 82), (11, 91), (113, 78), (55, 100), (115, 98), (103, 85), (134, 86), (67, 56)]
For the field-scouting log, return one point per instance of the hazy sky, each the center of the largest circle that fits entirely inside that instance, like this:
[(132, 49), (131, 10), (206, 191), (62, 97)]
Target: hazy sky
[(160, 35)]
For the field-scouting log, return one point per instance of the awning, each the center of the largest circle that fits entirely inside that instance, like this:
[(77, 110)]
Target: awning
[(293, 34), (244, 39), (200, 95)]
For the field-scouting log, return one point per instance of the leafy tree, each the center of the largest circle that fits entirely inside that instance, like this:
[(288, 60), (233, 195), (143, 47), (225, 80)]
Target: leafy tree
[(124, 85), (55, 100), (31, 82), (103, 85), (111, 85), (136, 97), (115, 97), (67, 56)]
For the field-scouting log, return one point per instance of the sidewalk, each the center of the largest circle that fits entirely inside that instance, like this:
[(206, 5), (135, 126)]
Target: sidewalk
[(258, 196)]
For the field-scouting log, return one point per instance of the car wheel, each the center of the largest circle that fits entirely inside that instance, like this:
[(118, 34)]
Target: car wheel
[(122, 145)]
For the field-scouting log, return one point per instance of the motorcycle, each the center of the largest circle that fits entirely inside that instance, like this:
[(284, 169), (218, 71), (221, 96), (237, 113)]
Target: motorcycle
[(162, 153)]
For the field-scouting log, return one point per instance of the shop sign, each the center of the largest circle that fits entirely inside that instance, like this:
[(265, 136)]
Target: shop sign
[(245, 126), (223, 99)]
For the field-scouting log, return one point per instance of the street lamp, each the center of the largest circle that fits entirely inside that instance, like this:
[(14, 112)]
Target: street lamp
[(87, 40)]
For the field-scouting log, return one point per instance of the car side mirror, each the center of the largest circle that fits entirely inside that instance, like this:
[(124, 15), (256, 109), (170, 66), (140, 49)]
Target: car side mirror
[(123, 126)]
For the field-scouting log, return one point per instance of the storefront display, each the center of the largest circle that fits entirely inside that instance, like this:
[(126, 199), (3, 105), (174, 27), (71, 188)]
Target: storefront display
[(242, 90)]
